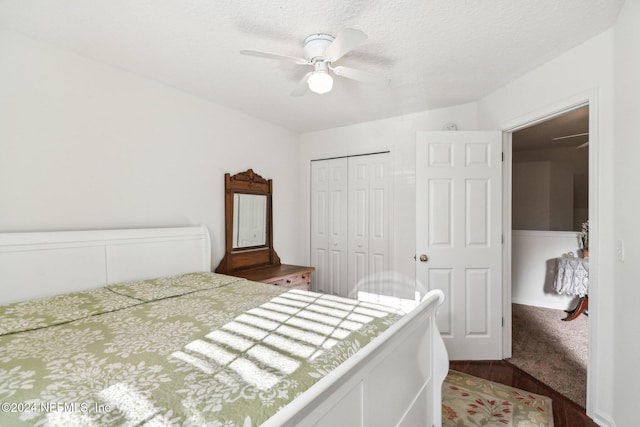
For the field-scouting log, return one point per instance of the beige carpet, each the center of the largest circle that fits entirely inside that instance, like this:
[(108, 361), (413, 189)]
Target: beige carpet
[(553, 351), (470, 401)]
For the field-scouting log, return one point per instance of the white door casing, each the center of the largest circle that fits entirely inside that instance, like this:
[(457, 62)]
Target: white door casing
[(459, 229)]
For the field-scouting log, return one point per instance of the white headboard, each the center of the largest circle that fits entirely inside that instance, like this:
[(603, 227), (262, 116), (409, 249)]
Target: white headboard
[(40, 264)]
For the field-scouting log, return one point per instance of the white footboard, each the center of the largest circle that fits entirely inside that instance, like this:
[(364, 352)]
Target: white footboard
[(396, 380)]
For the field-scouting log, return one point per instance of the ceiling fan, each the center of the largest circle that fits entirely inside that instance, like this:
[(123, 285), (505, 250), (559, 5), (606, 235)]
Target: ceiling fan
[(320, 52), (575, 135)]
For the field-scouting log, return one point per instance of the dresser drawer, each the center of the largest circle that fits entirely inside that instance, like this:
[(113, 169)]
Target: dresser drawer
[(296, 281), (289, 276)]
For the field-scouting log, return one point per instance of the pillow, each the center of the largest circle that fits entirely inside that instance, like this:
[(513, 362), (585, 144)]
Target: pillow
[(43, 312), (166, 287)]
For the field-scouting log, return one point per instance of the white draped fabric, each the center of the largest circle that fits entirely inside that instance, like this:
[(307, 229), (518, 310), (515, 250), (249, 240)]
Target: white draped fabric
[(572, 276)]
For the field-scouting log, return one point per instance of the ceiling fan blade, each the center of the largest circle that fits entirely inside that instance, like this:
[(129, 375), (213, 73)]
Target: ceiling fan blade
[(260, 54), (302, 86), (586, 144), (361, 76), (570, 136), (344, 42)]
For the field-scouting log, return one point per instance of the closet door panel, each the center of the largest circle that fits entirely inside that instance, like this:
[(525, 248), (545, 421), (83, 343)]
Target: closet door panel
[(329, 225), (379, 208), (320, 224), (338, 185), (358, 245), (369, 223)]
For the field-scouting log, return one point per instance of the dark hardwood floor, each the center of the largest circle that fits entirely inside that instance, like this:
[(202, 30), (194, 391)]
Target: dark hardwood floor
[(566, 413)]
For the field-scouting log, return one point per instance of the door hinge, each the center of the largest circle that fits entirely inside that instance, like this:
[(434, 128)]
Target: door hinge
[(502, 238), (503, 322), (503, 156)]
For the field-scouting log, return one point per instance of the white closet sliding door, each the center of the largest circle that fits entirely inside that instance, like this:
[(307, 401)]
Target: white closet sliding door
[(350, 224), (329, 184), (368, 223)]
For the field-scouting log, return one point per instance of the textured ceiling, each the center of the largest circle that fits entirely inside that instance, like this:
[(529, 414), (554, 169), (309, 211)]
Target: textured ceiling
[(437, 53)]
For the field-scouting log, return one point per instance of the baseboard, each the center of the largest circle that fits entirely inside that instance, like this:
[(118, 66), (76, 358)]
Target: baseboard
[(603, 420), (559, 306)]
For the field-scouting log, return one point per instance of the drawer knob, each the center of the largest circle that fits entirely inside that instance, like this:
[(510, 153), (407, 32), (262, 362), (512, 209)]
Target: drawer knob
[(288, 280)]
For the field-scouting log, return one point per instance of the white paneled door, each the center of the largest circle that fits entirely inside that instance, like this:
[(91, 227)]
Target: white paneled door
[(350, 224), (459, 237)]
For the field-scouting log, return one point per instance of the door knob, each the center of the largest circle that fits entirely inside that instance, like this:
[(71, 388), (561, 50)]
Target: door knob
[(424, 258)]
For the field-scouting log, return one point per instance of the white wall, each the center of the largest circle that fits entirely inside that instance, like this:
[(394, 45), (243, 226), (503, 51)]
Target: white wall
[(533, 264), (627, 213), (585, 72), (531, 204), (397, 135), (574, 161), (542, 196), (83, 145)]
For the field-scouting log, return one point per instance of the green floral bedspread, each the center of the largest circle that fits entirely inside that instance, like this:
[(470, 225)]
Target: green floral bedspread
[(192, 350)]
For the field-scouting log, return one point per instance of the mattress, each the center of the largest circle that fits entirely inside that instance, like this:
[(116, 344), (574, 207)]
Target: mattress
[(195, 349)]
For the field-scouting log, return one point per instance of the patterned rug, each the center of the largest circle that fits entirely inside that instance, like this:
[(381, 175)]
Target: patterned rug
[(470, 401)]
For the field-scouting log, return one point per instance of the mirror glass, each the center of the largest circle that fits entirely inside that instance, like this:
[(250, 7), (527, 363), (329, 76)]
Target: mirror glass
[(249, 220)]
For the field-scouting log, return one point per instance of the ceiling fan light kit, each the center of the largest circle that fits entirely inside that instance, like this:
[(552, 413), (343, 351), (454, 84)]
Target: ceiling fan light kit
[(321, 51), (315, 47), (320, 82)]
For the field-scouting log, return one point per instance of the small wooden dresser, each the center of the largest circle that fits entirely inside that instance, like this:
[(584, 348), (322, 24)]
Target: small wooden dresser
[(249, 234), (291, 276)]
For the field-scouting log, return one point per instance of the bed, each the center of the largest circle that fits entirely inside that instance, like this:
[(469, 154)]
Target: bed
[(131, 327)]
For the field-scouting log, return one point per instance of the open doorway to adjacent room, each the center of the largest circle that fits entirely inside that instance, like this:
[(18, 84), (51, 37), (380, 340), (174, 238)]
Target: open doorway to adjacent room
[(549, 205)]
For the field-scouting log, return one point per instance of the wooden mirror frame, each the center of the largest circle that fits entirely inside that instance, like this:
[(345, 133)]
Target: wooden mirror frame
[(241, 259)]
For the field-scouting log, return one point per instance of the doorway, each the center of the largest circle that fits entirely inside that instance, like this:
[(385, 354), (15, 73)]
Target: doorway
[(547, 164)]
